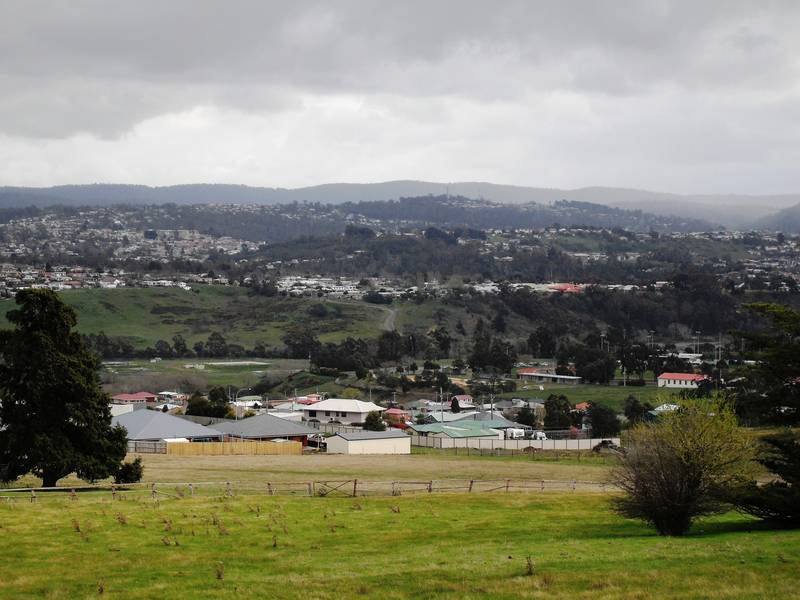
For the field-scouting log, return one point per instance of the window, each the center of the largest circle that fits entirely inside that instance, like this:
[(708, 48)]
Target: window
[(327, 413), (342, 414), (312, 413)]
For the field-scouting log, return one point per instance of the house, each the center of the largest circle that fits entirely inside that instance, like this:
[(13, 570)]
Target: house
[(340, 410), (391, 441), (458, 429), (680, 380), (137, 397), (540, 376), (157, 426), (397, 417), (265, 427)]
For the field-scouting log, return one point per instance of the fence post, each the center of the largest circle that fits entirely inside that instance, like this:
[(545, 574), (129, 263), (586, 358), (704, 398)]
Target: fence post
[(430, 486), (228, 490), (33, 496), (508, 483), (355, 487), (310, 486), (191, 490), (269, 488), (72, 494), (542, 485), (471, 482), (573, 485), (153, 491)]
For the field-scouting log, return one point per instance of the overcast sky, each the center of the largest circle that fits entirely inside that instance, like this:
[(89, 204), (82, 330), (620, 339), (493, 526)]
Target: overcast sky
[(695, 96)]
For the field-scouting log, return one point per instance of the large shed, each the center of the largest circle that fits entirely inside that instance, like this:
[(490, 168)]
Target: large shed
[(391, 441)]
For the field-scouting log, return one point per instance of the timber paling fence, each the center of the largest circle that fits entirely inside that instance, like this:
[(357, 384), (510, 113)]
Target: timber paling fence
[(348, 488)]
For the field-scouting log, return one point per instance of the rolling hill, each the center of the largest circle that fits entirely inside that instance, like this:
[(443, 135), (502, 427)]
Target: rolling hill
[(729, 210)]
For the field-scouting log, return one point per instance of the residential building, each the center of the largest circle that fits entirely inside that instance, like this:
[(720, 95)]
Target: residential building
[(340, 410), (680, 380)]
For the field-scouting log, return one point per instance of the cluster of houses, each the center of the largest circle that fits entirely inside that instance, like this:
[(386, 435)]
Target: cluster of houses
[(157, 417)]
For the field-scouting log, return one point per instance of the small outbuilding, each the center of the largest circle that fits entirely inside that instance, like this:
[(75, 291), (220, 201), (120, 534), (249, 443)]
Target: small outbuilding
[(391, 441)]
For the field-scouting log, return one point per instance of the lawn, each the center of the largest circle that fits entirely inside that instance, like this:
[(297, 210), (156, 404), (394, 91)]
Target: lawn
[(146, 315), (609, 395), (424, 465), (423, 546)]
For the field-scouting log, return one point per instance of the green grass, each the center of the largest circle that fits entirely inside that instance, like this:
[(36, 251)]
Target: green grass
[(612, 396), (437, 546), (167, 374), (146, 315)]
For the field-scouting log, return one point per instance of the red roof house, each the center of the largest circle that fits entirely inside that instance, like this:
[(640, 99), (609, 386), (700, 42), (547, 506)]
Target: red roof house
[(680, 380), (137, 397)]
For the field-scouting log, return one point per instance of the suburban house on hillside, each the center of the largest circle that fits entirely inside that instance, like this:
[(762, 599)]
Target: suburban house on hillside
[(541, 376), (680, 380), (340, 410)]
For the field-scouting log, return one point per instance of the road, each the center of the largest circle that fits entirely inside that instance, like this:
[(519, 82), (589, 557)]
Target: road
[(388, 322)]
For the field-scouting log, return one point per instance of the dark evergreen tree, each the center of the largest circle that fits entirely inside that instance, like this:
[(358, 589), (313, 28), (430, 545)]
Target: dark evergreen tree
[(55, 417)]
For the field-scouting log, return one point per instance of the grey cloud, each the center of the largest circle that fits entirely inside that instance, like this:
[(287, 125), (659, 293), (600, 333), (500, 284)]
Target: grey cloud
[(715, 82)]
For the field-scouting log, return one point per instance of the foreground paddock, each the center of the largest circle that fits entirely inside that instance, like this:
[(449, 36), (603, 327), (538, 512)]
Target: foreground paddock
[(466, 546)]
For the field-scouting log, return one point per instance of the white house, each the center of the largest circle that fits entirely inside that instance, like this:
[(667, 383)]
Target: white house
[(340, 410), (680, 380), (391, 441), (539, 376)]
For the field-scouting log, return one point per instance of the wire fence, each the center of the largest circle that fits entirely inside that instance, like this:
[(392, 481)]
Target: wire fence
[(350, 488)]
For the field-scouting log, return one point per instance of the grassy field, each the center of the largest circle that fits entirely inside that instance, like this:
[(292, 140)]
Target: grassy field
[(171, 374), (147, 315), (437, 546), (609, 395), (424, 465)]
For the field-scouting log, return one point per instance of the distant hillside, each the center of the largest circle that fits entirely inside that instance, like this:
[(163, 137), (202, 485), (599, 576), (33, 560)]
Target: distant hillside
[(728, 210), (786, 220)]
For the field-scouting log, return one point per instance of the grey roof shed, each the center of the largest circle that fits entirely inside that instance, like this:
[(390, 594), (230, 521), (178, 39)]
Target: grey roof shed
[(264, 426), (156, 425)]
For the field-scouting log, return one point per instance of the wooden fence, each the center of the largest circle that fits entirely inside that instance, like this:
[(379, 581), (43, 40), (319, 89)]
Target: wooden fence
[(234, 448), (321, 488)]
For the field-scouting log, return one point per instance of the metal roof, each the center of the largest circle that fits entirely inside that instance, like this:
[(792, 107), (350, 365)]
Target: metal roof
[(345, 405), (265, 425), (458, 429), (372, 435), (156, 425)]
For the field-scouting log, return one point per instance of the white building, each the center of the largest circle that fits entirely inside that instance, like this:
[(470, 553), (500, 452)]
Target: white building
[(391, 441), (680, 380), (340, 410)]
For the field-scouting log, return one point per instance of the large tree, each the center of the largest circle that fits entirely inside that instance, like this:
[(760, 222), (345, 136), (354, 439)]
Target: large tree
[(55, 417), (770, 392)]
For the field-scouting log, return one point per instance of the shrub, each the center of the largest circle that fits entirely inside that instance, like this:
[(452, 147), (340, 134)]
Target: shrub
[(681, 467), (130, 472), (373, 422)]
